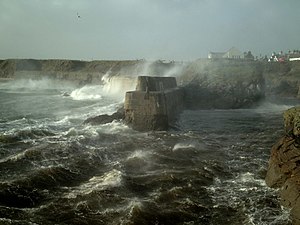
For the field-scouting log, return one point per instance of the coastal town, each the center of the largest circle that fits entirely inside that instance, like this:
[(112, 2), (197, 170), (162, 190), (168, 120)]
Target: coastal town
[(235, 53)]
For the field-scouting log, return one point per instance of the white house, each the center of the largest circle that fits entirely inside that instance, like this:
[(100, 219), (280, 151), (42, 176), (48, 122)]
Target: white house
[(294, 57), (232, 53)]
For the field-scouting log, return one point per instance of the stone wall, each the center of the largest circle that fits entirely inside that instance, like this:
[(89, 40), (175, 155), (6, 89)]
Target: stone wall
[(146, 83), (284, 164), (153, 110)]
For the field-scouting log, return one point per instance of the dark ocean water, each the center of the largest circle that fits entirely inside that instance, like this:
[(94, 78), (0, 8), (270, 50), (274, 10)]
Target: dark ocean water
[(56, 170)]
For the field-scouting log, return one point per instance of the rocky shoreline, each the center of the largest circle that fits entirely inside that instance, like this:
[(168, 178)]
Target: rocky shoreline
[(284, 164), (209, 83)]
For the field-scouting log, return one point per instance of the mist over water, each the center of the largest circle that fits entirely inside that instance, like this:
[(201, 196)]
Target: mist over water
[(56, 170)]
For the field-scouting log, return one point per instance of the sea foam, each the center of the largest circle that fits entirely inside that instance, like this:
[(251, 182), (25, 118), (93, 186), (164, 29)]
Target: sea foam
[(87, 93)]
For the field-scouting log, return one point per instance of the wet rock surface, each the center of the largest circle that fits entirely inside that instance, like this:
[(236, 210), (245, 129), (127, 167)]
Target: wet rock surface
[(105, 118), (284, 164)]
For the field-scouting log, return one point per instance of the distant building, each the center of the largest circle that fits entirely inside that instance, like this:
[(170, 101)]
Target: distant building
[(294, 56), (294, 59), (283, 57), (248, 55), (232, 53)]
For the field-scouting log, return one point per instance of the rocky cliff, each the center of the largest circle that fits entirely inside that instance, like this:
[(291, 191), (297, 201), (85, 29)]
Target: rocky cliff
[(282, 79), (223, 83), (82, 72), (284, 164), (207, 83)]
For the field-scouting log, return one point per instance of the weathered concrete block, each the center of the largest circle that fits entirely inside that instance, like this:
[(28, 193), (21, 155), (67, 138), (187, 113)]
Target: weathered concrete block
[(146, 83), (153, 110)]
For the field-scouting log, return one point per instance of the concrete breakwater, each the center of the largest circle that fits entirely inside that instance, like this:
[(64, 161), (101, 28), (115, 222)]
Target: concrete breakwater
[(284, 164), (155, 104)]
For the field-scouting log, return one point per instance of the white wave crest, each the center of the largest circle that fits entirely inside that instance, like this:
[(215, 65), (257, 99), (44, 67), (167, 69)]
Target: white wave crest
[(87, 93), (115, 127), (112, 178), (185, 145), (117, 86), (140, 154)]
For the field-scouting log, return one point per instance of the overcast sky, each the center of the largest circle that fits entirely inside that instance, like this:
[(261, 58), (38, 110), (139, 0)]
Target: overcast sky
[(149, 29)]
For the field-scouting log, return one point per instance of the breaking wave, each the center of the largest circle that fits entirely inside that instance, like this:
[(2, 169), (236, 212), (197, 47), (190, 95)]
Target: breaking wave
[(87, 93), (117, 86)]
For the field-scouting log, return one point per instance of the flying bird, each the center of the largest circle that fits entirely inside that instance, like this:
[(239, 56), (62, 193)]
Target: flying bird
[(78, 16)]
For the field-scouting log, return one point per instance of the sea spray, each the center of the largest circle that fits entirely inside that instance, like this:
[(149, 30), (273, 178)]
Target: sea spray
[(87, 93), (117, 86), (36, 84)]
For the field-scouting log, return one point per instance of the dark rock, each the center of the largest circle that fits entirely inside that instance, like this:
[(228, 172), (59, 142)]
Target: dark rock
[(284, 164), (103, 119), (282, 79)]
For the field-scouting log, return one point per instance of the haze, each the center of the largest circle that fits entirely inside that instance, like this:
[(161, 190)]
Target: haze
[(145, 29)]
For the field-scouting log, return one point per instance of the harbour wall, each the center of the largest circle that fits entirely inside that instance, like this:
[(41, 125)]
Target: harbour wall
[(152, 106)]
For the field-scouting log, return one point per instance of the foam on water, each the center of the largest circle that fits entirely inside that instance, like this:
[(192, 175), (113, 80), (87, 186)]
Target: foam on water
[(110, 179), (115, 127), (243, 193), (65, 120), (248, 177), (71, 132), (133, 205), (183, 146), (145, 174), (140, 154), (15, 157), (87, 93)]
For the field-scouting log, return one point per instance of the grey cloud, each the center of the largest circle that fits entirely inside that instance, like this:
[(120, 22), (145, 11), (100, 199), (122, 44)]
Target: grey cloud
[(130, 29)]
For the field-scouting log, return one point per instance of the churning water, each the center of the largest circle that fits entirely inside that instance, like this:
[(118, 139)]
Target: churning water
[(56, 170)]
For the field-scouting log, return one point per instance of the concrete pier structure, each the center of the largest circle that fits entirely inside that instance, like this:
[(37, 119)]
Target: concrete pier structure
[(154, 105)]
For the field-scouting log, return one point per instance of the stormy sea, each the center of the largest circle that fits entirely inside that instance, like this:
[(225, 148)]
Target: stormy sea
[(54, 169)]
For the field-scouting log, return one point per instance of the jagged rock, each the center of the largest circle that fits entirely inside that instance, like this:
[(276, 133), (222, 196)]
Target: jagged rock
[(284, 164), (282, 79), (292, 122), (105, 118)]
